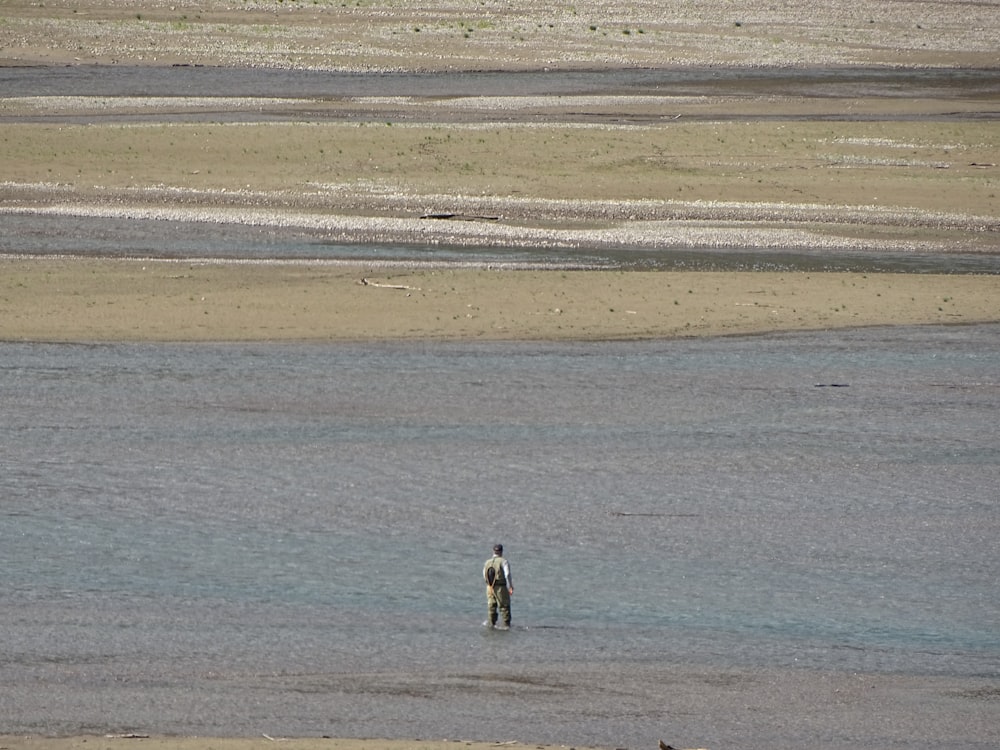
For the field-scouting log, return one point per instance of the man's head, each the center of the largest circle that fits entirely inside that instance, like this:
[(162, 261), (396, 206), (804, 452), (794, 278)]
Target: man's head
[(497, 549)]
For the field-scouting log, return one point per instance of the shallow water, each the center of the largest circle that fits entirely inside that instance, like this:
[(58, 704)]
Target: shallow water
[(40, 235), (192, 80), (235, 539)]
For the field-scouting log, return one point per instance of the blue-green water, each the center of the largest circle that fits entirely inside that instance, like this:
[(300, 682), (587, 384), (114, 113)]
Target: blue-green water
[(287, 539)]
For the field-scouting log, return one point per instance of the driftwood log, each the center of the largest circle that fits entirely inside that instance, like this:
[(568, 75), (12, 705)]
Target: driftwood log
[(366, 282), (460, 217)]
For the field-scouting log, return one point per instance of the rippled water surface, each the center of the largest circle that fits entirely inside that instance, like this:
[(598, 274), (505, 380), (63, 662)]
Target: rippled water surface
[(235, 539)]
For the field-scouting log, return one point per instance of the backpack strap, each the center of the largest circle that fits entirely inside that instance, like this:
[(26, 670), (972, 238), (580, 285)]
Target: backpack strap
[(493, 572), (496, 568)]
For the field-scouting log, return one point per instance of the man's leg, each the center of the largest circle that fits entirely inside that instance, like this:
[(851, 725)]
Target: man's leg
[(503, 600), (491, 602)]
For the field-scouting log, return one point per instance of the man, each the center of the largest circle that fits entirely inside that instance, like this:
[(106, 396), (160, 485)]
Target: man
[(499, 586)]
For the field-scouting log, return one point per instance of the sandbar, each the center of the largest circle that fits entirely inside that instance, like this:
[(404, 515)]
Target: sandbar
[(80, 299)]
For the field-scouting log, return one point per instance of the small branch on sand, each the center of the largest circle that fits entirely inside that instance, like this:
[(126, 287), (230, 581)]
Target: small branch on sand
[(366, 282), (460, 217)]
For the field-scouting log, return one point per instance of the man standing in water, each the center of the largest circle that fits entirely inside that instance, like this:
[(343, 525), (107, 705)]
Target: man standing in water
[(499, 586)]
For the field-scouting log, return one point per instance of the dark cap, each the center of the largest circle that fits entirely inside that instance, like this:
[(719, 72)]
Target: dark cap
[(497, 549)]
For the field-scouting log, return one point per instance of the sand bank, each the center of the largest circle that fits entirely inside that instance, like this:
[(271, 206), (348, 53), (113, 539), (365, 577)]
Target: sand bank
[(905, 184), (151, 300)]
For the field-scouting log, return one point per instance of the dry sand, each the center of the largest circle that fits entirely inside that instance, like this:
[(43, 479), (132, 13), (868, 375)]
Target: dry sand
[(515, 34), (101, 300)]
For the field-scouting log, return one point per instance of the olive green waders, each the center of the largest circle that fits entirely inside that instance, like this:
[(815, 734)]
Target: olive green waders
[(497, 594), (498, 598)]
